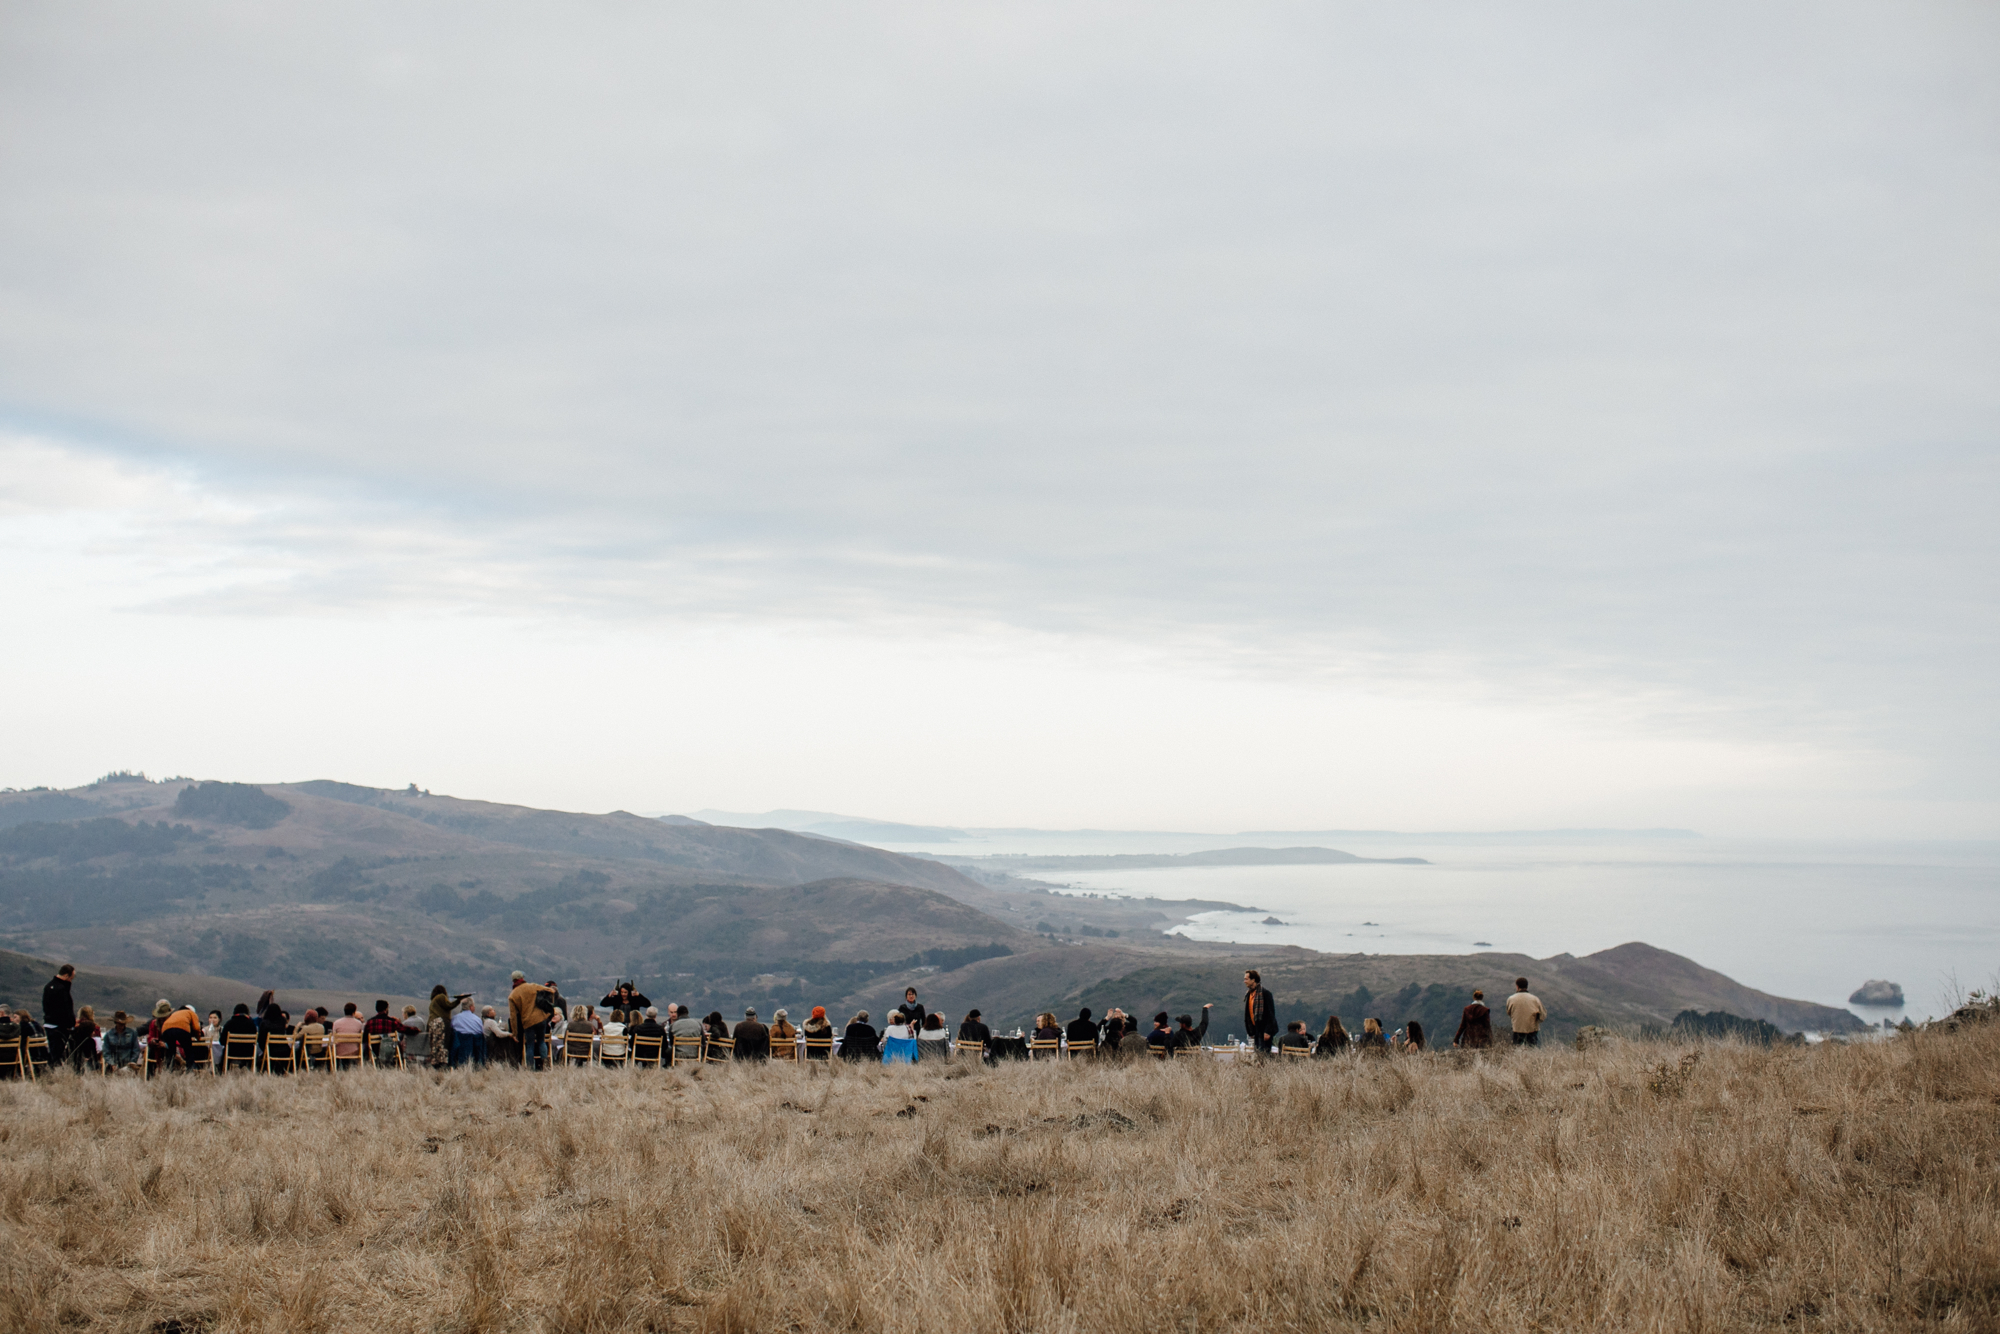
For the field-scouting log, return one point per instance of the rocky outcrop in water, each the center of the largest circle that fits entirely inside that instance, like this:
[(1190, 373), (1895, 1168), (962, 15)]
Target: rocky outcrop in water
[(1877, 992)]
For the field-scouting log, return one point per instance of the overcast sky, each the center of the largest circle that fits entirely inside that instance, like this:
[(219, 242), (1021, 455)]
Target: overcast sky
[(1071, 414)]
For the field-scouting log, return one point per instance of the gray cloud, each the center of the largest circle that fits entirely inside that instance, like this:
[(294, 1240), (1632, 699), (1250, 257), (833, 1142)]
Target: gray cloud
[(1591, 351)]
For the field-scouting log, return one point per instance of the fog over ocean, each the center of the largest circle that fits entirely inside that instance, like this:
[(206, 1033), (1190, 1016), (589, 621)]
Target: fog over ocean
[(1806, 920)]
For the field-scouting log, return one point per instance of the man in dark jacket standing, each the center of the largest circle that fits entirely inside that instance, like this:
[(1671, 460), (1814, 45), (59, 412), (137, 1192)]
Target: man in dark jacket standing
[(59, 1011), (1260, 1011), (1475, 1024), (753, 1040), (1082, 1033)]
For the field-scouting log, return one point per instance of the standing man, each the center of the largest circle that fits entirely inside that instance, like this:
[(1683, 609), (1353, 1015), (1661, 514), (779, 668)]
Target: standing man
[(1475, 1024), (1260, 1011), (1526, 1012), (528, 1016), (59, 1011)]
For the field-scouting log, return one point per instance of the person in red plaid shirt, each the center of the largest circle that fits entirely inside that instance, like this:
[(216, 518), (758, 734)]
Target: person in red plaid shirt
[(387, 1027)]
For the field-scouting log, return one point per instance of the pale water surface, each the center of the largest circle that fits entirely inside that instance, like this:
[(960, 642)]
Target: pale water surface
[(1811, 921)]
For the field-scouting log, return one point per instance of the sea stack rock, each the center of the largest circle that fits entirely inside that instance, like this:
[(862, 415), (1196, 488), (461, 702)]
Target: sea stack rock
[(1877, 992)]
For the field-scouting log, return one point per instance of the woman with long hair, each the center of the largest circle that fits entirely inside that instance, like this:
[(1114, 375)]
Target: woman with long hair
[(1413, 1037), (437, 1029), (1047, 1029), (1332, 1042), (1371, 1042)]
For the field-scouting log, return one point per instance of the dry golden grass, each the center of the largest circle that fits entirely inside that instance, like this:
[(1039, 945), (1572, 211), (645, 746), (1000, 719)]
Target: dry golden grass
[(1850, 1188)]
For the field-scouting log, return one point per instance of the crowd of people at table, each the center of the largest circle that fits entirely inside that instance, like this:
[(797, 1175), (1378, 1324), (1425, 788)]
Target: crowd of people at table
[(539, 1028)]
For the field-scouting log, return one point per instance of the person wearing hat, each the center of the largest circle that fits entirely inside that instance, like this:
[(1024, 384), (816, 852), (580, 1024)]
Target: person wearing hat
[(176, 1030), (121, 1043), (818, 1029), (753, 1040), (972, 1031)]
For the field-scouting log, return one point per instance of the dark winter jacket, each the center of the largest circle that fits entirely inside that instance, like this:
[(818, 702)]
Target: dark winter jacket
[(860, 1043), (58, 1009), (1082, 1033), (753, 1041)]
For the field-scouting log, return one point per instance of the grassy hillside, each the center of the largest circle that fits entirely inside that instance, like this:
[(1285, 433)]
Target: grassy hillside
[(1637, 1187), (332, 886)]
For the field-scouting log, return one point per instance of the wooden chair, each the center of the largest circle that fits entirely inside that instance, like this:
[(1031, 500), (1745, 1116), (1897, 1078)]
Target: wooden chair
[(687, 1049), (348, 1051), (578, 1049), (315, 1051), (721, 1051), (201, 1055), (1159, 1051), (239, 1051), (1044, 1047), (1188, 1053), (823, 1046), (621, 1057), (1296, 1051), (646, 1051), (36, 1051), (1080, 1049), (375, 1050), (278, 1051), (785, 1049), (15, 1061), (968, 1048)]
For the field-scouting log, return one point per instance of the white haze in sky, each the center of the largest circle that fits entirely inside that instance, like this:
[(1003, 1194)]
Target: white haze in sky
[(1250, 416)]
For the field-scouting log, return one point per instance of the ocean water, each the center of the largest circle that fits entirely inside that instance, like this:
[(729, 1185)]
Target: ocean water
[(1808, 921)]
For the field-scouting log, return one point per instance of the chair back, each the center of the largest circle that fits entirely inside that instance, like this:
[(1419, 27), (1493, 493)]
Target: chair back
[(687, 1049), (315, 1052), (347, 1046), (1044, 1047), (1159, 1051), (36, 1049), (1080, 1049), (1188, 1053), (1296, 1051), (201, 1056), (785, 1049), (278, 1051), (385, 1049), (577, 1047), (239, 1051), (968, 1047), (819, 1049), (13, 1058), (646, 1051), (721, 1050)]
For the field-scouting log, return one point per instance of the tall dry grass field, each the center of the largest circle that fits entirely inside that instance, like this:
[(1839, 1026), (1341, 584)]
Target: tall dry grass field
[(1850, 1188)]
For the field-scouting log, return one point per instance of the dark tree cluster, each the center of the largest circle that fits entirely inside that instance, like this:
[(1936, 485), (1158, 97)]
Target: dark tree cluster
[(242, 804)]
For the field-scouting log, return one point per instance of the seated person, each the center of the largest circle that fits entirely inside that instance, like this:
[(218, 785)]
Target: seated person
[(781, 1028), (753, 1040), (121, 1043), (1332, 1042), (817, 1029), (468, 1035), (860, 1042), (1082, 1032), (499, 1042), (649, 1026), (1160, 1041), (933, 1039), (1188, 1036), (613, 1046), (348, 1044), (899, 1043), (1047, 1029), (1371, 1042), (240, 1023), (83, 1039), (687, 1031), (974, 1032), (1296, 1036), (715, 1027)]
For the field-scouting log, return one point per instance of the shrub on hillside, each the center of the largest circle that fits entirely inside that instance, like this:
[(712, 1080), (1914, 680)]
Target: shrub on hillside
[(243, 804)]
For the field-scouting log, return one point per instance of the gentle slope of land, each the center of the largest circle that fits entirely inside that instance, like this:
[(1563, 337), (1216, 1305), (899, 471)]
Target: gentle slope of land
[(1637, 1187)]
